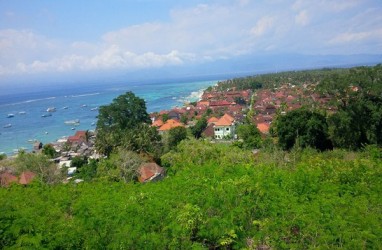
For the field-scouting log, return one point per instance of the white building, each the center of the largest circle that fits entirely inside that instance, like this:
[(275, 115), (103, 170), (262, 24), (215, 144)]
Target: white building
[(225, 127)]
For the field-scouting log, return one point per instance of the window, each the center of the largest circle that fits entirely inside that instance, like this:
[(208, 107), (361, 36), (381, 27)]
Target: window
[(227, 129)]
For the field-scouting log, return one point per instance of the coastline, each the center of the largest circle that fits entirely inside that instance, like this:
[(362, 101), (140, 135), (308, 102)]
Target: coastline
[(31, 126)]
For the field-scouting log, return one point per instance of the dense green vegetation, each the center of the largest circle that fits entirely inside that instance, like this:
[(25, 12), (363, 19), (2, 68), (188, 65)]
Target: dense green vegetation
[(125, 124), (297, 192), (215, 196), (304, 128), (274, 80)]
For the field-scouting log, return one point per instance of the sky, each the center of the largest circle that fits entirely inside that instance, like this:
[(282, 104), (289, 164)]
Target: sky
[(66, 38)]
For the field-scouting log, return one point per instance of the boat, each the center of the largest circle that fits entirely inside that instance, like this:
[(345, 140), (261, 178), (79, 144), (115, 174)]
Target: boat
[(66, 107), (7, 125), (51, 109), (94, 109), (46, 115), (10, 115), (73, 122), (22, 113), (73, 128), (93, 124), (83, 105)]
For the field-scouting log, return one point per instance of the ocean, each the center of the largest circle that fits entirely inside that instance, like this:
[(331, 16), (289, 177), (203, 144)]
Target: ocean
[(82, 103)]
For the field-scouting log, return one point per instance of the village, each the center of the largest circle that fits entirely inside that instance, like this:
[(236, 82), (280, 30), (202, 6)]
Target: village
[(223, 110)]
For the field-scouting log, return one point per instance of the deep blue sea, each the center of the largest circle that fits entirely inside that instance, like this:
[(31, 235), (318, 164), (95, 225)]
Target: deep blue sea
[(79, 102)]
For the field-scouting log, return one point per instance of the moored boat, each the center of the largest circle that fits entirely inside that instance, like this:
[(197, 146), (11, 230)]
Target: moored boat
[(10, 115), (46, 115), (51, 109), (7, 125), (73, 122)]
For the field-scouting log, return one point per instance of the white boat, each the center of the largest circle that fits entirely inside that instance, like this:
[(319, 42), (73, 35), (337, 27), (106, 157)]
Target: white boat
[(93, 124), (10, 115), (73, 122), (22, 113), (83, 105), (51, 109), (7, 125), (46, 115), (94, 109), (66, 107)]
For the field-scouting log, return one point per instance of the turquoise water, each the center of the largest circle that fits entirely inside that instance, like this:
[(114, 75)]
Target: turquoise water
[(81, 103)]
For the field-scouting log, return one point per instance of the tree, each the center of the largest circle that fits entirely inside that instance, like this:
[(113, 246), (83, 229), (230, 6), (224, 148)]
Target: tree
[(49, 151), (79, 161), (123, 115), (176, 135), (165, 117), (121, 166), (250, 135), (199, 127), (39, 164), (307, 128)]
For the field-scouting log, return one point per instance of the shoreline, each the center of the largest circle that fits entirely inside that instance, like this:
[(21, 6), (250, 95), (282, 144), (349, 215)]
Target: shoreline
[(49, 134)]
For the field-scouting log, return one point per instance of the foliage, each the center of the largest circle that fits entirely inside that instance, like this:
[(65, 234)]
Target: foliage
[(304, 128), (3, 156), (124, 114), (357, 96), (79, 161), (199, 127), (250, 135), (49, 151), (88, 171), (39, 164), (327, 200), (121, 166), (165, 117), (175, 136)]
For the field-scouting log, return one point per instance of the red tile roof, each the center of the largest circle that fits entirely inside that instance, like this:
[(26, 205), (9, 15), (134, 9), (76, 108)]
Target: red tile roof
[(6, 179), (225, 120), (220, 103), (157, 123), (148, 171), (263, 127), (171, 123), (212, 120), (26, 177)]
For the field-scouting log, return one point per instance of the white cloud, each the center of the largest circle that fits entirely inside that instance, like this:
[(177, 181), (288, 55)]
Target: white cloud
[(262, 26), (302, 18), (355, 37), (205, 32)]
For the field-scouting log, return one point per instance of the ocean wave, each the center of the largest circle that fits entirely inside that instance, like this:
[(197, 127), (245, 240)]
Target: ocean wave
[(194, 96), (90, 94), (28, 101)]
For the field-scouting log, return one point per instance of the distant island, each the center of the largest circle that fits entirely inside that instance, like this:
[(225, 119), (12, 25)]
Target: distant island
[(274, 161)]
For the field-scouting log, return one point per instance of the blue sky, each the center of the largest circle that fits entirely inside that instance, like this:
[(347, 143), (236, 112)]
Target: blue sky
[(45, 37)]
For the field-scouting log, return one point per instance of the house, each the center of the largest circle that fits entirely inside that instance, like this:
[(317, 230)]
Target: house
[(225, 127), (222, 103), (212, 120), (78, 138), (157, 123), (209, 131), (174, 114), (263, 127), (150, 172), (26, 177), (171, 123), (6, 179)]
